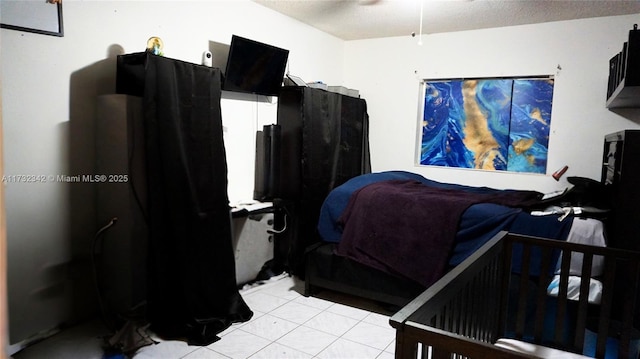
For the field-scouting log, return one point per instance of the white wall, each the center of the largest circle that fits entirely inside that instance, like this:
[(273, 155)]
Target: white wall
[(49, 90), (577, 53)]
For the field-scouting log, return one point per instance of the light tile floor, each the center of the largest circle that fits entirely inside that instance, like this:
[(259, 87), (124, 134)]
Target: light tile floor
[(285, 324)]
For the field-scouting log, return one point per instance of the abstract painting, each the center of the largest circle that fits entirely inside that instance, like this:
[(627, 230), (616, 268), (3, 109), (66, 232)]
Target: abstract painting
[(490, 124)]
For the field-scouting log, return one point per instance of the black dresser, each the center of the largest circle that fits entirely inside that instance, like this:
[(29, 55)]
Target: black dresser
[(621, 177)]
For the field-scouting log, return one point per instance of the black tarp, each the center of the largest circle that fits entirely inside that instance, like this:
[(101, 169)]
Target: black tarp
[(191, 273)]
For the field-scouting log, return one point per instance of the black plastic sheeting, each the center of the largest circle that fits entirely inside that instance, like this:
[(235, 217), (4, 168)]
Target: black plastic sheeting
[(324, 143)]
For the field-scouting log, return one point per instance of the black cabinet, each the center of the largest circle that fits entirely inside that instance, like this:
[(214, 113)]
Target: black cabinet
[(324, 143), (621, 177)]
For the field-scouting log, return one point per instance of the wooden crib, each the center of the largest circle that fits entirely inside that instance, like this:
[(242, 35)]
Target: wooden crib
[(496, 304)]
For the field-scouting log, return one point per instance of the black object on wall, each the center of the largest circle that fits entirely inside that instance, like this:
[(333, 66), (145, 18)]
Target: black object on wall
[(324, 144), (192, 290)]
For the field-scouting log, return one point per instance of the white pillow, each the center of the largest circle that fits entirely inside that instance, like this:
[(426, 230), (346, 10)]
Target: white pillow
[(537, 350)]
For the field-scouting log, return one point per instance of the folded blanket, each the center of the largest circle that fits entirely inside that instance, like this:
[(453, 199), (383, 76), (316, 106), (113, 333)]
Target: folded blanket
[(407, 228)]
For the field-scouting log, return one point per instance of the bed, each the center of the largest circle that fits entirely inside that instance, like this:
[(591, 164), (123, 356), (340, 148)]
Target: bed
[(360, 236), (524, 314)]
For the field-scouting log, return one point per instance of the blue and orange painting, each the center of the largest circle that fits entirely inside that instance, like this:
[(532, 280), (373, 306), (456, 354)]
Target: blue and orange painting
[(489, 124)]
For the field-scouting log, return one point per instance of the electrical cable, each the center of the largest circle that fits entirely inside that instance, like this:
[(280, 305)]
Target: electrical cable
[(284, 226)]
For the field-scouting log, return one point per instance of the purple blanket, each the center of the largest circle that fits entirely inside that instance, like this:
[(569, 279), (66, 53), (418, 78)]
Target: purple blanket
[(406, 228)]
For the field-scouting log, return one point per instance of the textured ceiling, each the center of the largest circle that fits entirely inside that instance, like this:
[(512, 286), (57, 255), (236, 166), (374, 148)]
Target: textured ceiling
[(362, 19)]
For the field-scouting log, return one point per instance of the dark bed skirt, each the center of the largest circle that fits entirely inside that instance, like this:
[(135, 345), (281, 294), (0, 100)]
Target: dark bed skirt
[(329, 271)]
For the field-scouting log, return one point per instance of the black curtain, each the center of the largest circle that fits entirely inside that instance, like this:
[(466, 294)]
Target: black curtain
[(324, 143), (192, 281)]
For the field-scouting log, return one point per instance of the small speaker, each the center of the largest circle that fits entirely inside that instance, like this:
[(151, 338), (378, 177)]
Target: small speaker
[(267, 167)]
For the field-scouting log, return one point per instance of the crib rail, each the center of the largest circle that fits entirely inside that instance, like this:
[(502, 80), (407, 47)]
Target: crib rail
[(461, 305), (501, 291)]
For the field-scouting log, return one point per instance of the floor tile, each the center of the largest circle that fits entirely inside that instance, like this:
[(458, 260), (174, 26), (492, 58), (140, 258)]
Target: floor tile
[(357, 302), (170, 349), (371, 335), (346, 349), (287, 288), (314, 302), (307, 340), (235, 326), (239, 344), (348, 311), (260, 285), (386, 355), (378, 319), (263, 302), (296, 312), (269, 327), (331, 323), (391, 348), (279, 351), (285, 324), (204, 353)]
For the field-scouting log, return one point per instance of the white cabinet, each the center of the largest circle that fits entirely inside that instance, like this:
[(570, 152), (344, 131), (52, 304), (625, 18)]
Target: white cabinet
[(252, 245)]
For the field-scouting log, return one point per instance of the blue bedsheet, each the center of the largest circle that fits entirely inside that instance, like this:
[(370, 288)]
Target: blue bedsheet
[(478, 223)]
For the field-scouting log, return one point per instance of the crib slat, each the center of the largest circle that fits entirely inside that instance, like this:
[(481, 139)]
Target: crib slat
[(468, 315), (561, 309), (491, 319), (541, 298), (581, 319), (466, 310), (487, 296), (524, 286), (474, 327), (506, 261), (629, 304), (406, 348), (605, 307), (455, 317)]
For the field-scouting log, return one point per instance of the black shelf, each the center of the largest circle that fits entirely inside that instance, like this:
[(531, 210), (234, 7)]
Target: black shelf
[(623, 89), (624, 96)]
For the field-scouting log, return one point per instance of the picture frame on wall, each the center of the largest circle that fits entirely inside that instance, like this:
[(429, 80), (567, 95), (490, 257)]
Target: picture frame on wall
[(40, 17), (495, 124)]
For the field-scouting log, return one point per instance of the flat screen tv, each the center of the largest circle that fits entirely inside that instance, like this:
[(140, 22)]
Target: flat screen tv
[(254, 67)]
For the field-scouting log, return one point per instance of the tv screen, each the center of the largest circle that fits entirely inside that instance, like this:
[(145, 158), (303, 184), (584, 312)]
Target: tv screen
[(254, 67)]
